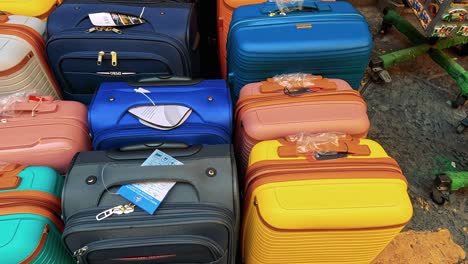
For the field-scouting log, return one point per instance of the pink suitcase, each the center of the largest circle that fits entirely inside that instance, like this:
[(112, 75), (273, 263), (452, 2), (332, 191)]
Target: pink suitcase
[(266, 112), (44, 132)]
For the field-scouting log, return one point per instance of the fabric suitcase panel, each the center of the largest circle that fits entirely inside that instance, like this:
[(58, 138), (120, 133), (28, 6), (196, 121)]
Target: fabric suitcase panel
[(270, 115), (56, 132), (31, 238), (24, 68), (197, 221), (34, 8), (303, 202), (210, 120), (334, 42), (142, 51)]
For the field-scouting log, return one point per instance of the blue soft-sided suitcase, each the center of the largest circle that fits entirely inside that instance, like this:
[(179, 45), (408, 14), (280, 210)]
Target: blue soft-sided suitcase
[(114, 127), (81, 60), (325, 38)]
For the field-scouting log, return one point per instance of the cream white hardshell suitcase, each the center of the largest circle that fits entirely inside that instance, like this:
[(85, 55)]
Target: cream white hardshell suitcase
[(23, 64)]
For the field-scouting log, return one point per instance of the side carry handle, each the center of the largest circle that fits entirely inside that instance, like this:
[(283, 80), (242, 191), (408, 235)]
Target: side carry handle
[(203, 176), (165, 81)]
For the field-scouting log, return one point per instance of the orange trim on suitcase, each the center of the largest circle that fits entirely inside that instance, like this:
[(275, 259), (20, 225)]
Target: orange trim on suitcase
[(36, 41), (30, 209), (39, 246)]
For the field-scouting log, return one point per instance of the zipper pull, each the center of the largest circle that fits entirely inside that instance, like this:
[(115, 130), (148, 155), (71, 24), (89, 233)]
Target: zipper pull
[(118, 210), (78, 253), (91, 30), (116, 30), (99, 58), (114, 58)]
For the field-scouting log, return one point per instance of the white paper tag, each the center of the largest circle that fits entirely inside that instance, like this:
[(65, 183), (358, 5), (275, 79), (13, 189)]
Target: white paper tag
[(106, 19), (162, 117)]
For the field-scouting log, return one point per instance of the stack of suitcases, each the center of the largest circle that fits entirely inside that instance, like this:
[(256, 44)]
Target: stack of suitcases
[(272, 164)]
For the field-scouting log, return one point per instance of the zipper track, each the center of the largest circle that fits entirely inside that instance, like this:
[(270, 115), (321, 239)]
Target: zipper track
[(133, 36), (106, 136), (215, 249)]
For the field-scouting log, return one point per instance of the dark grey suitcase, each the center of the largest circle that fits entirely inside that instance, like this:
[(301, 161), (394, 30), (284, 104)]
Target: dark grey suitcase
[(197, 222)]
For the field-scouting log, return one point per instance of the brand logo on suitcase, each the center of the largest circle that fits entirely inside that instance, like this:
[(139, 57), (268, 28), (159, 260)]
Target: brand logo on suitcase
[(116, 73), (300, 26), (147, 257)]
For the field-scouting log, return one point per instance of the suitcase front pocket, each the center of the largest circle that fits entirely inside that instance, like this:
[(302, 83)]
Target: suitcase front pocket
[(84, 71), (170, 249)]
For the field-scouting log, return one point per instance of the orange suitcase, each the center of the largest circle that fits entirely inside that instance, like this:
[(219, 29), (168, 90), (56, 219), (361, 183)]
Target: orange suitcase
[(268, 110), (225, 10), (44, 132), (343, 204)]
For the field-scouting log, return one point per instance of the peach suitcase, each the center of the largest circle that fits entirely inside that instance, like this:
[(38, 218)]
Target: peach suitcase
[(266, 112), (225, 8), (23, 67), (44, 132)]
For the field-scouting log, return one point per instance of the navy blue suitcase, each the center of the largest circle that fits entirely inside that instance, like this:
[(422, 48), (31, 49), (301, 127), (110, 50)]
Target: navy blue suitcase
[(82, 57), (325, 38), (113, 125)]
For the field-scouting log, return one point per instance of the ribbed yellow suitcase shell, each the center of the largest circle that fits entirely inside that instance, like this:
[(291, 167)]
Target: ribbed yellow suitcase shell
[(35, 8), (322, 220)]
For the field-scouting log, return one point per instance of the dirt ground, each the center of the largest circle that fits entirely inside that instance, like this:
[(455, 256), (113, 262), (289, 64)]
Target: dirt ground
[(411, 117)]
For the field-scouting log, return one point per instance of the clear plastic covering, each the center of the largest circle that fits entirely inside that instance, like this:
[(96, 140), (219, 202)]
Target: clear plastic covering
[(295, 80), (7, 103), (286, 6), (311, 143)]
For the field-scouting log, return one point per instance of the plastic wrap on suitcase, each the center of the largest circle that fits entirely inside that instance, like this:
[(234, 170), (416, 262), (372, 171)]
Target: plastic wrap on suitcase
[(116, 121), (82, 56), (197, 221), (327, 38)]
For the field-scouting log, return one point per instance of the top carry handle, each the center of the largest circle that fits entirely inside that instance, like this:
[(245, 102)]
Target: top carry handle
[(165, 81)]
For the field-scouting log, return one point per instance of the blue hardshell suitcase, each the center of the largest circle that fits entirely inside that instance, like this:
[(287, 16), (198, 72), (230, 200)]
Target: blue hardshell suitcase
[(325, 38), (114, 126), (82, 57)]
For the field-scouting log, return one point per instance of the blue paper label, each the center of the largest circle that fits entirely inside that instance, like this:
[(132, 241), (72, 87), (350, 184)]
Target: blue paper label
[(149, 195)]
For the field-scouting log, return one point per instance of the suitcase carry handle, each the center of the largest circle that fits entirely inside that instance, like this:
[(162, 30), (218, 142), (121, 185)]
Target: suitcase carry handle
[(143, 151), (272, 9), (165, 81), (201, 175)]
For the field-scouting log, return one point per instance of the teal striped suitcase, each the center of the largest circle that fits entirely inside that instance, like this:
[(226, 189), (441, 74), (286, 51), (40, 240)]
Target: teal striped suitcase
[(30, 216)]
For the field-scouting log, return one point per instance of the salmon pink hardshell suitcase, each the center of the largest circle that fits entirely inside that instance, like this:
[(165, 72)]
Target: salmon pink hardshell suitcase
[(44, 132), (23, 65), (273, 114)]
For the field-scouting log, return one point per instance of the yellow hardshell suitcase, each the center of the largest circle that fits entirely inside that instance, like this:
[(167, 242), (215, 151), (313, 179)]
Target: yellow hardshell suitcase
[(300, 210), (34, 8)]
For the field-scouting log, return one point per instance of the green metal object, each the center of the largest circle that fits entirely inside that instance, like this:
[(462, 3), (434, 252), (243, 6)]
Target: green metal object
[(445, 183), (423, 45), (455, 70)]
